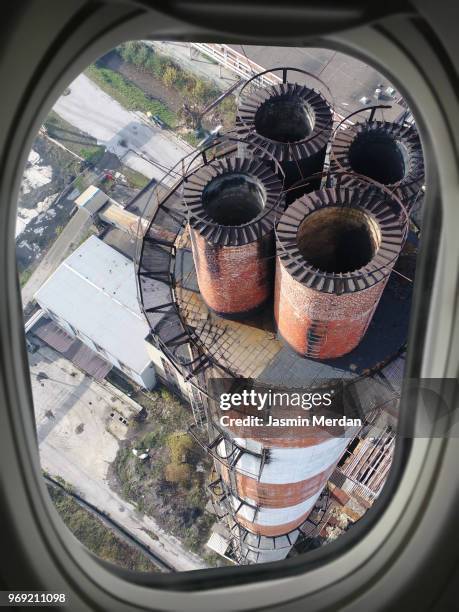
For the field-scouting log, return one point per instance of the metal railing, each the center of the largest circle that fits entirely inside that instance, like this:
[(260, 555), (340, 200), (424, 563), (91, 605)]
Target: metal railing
[(238, 63)]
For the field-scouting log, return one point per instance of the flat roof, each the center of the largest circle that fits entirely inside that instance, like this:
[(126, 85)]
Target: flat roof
[(88, 195), (95, 291), (251, 348)]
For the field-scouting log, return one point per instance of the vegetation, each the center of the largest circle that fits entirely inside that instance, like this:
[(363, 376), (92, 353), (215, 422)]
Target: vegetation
[(194, 89), (93, 154), (24, 276), (66, 485), (170, 484), (98, 538), (134, 178), (194, 92), (86, 147), (178, 473), (227, 108), (180, 445), (71, 137), (128, 94)]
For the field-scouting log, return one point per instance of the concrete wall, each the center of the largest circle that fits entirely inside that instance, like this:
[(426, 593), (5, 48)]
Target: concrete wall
[(159, 360)]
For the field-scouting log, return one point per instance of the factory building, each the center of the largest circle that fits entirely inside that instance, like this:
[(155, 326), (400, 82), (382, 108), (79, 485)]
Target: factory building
[(277, 270), (92, 296)]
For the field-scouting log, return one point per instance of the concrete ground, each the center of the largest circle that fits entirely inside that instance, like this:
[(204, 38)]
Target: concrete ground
[(78, 439), (348, 78), (148, 149), (72, 412)]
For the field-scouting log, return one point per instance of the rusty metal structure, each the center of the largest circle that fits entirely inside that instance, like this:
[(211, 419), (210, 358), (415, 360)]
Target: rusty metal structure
[(289, 121), (336, 250), (233, 204), (205, 269)]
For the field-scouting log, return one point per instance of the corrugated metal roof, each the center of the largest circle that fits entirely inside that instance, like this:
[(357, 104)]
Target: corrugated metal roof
[(53, 335), (95, 291), (72, 348), (218, 544)]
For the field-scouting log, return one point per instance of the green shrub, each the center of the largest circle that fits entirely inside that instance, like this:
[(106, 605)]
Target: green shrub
[(151, 439), (128, 51), (166, 395), (179, 445), (92, 155), (24, 276), (134, 178), (98, 538), (170, 76), (199, 91), (142, 56)]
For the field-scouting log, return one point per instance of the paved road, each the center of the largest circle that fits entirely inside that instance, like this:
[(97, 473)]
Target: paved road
[(78, 440), (93, 111)]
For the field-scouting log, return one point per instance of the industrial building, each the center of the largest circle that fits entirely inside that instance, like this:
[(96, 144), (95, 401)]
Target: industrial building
[(281, 255), (287, 268), (92, 296)]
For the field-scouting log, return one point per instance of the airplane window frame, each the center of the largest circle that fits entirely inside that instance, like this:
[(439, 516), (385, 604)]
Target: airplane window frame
[(99, 575)]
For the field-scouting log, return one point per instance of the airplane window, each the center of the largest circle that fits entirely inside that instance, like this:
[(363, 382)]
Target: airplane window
[(217, 248)]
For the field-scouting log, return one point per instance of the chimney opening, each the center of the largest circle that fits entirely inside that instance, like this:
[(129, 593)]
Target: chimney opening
[(377, 156), (234, 198), (284, 119), (336, 239)]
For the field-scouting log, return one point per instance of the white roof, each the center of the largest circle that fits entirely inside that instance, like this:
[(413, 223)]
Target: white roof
[(218, 543), (94, 290), (92, 198)]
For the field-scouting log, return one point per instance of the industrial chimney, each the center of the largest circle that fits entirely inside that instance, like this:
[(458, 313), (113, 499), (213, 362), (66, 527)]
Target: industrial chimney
[(389, 153), (233, 205), (292, 123), (335, 251), (273, 475)]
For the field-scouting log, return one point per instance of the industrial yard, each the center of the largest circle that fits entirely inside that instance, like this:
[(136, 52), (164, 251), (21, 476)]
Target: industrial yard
[(278, 254)]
